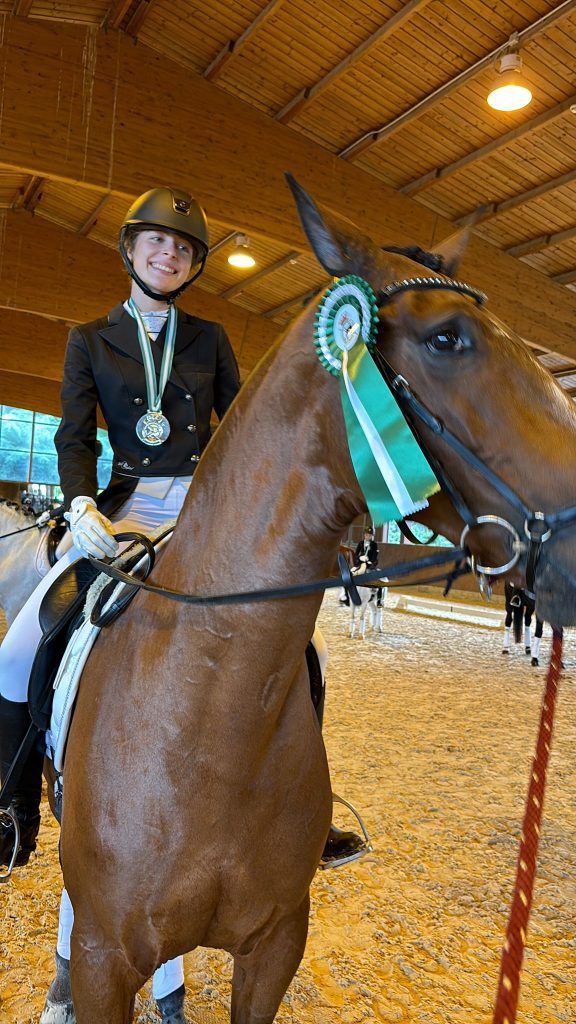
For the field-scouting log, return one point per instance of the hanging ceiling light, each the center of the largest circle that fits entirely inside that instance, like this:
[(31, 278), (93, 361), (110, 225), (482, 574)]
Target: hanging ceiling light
[(509, 91), (241, 256)]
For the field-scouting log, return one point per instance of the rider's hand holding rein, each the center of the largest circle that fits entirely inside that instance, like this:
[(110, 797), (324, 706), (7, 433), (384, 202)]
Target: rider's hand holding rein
[(92, 532)]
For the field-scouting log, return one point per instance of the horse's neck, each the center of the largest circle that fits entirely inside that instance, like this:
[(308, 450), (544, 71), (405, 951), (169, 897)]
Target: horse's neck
[(275, 490)]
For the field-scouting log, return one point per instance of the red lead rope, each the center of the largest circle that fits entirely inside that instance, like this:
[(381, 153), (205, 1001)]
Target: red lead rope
[(513, 951)]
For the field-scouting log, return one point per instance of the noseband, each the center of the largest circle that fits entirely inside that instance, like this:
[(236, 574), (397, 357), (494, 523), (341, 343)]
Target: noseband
[(538, 526)]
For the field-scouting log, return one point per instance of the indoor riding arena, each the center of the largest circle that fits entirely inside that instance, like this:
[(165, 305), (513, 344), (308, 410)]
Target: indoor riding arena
[(287, 512)]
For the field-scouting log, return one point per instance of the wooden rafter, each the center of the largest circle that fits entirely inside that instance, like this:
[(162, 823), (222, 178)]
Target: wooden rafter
[(21, 8), (489, 210), (30, 195), (566, 278), (305, 96), (234, 46), (541, 242), (440, 173), (369, 139), (297, 300), (253, 278), (137, 20), (90, 221), (117, 12)]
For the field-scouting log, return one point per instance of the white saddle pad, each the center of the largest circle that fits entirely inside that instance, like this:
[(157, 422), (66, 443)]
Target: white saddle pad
[(75, 656)]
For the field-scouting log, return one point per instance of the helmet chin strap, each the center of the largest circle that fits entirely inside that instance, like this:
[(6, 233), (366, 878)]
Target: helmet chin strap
[(168, 297)]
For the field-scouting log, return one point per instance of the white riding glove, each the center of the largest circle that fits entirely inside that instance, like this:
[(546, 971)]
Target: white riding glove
[(363, 558), (91, 531), (44, 519)]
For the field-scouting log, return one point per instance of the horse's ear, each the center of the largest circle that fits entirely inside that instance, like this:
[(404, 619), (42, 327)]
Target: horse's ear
[(327, 242), (452, 250)]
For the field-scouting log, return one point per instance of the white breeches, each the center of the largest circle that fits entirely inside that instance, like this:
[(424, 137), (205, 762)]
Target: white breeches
[(142, 512), (166, 979)]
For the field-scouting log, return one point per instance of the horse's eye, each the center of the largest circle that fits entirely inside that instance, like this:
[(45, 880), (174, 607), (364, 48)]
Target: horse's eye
[(446, 340)]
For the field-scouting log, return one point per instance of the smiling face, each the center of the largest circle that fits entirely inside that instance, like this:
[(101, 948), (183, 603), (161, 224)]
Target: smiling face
[(162, 259)]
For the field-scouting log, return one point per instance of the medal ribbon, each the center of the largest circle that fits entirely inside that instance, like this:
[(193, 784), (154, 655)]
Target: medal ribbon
[(154, 394)]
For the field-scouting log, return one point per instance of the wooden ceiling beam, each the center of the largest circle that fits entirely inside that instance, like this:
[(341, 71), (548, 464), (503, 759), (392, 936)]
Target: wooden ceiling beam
[(378, 135), (247, 282), (234, 46), (116, 13), (311, 92), (489, 210), (568, 277), (140, 14), (441, 173), (22, 8), (29, 196), (542, 242), (90, 221), (25, 391), (45, 132)]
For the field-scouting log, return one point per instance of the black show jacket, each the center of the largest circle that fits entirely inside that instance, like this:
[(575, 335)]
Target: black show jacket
[(103, 366)]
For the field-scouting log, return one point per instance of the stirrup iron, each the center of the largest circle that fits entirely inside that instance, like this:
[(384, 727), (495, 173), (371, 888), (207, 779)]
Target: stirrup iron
[(8, 812)]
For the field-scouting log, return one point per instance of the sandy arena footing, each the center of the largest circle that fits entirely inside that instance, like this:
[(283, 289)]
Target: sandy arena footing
[(430, 732)]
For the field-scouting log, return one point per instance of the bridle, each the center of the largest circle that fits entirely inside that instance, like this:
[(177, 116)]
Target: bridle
[(538, 526)]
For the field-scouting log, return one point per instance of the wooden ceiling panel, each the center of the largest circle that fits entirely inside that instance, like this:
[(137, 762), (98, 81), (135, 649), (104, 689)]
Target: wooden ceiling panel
[(66, 206), (553, 261), (79, 12), (12, 188), (192, 33)]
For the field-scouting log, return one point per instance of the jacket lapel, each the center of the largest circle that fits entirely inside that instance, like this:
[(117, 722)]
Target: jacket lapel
[(122, 333)]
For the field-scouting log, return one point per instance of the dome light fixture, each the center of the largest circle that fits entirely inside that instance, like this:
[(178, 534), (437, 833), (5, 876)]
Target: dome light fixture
[(241, 255), (509, 91)]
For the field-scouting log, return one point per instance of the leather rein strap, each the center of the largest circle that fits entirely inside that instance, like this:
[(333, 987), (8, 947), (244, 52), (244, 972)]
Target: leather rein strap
[(345, 579)]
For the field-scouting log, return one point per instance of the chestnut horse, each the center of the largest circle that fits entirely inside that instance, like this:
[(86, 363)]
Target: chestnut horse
[(197, 794)]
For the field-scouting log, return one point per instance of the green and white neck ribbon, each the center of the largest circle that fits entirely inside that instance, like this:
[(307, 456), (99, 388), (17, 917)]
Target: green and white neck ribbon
[(153, 428), (394, 475)]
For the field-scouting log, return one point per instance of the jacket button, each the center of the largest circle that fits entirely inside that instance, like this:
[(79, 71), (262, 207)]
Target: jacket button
[(188, 398), (146, 462), (194, 458), (137, 401), (191, 427)]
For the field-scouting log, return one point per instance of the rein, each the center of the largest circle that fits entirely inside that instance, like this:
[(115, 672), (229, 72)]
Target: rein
[(345, 579), (23, 530)]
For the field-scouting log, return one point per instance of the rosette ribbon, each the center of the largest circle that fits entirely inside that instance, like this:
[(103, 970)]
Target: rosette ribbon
[(394, 474)]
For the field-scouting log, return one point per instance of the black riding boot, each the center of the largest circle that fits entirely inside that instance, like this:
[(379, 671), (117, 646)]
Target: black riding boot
[(341, 847), (14, 722), (172, 1007)]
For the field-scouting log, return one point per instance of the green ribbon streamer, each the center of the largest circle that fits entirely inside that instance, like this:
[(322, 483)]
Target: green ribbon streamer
[(371, 394)]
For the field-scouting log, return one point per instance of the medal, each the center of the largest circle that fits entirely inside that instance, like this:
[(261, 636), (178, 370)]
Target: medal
[(153, 428)]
